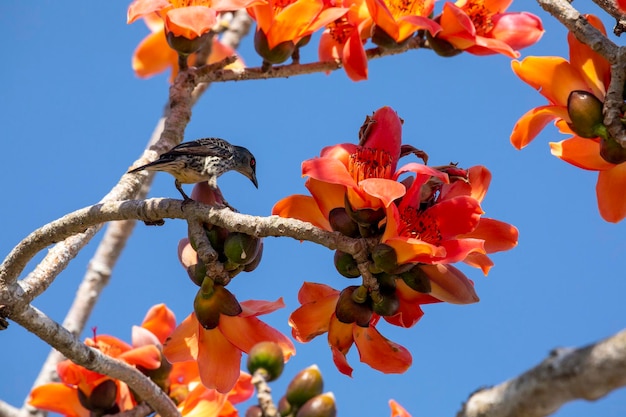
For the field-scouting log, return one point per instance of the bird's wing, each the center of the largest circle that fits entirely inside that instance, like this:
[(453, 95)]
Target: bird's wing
[(202, 147)]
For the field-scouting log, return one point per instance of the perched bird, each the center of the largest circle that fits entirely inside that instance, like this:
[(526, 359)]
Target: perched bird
[(203, 160)]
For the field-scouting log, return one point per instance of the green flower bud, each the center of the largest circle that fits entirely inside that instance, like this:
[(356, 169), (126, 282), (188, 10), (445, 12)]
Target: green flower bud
[(102, 397), (322, 405), (197, 272), (442, 47), (211, 302), (305, 385), (385, 258), (417, 279), (266, 357), (241, 248), (364, 217), (611, 151), (382, 39), (346, 265), (257, 259), (387, 304), (278, 54), (186, 46), (349, 311), (284, 408), (585, 112), (160, 375), (341, 222)]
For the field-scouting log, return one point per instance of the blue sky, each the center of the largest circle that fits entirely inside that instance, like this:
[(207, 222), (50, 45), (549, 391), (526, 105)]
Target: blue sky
[(75, 117)]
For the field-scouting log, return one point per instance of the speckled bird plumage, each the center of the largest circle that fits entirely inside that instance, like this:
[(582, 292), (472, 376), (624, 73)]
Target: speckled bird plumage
[(203, 160)]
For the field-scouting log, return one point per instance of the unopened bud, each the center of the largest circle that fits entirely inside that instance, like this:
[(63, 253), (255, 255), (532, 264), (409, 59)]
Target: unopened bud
[(102, 397), (305, 385), (386, 304), (346, 265), (257, 260), (284, 408), (341, 222), (442, 47), (209, 304), (268, 358), (278, 54), (585, 112), (185, 46), (383, 39), (385, 258), (349, 311), (322, 405), (364, 217), (254, 411), (416, 279), (611, 151), (241, 248)]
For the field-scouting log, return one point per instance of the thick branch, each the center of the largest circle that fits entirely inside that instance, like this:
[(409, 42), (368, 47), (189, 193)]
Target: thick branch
[(586, 373), (614, 101)]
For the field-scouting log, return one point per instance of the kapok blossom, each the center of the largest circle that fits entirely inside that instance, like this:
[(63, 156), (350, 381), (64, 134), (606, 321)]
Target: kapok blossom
[(483, 27), (556, 78), (400, 19), (218, 351)]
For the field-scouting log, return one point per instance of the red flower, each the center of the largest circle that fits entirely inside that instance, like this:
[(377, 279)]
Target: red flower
[(482, 27)]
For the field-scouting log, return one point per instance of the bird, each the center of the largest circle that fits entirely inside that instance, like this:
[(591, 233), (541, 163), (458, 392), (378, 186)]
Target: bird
[(203, 160)]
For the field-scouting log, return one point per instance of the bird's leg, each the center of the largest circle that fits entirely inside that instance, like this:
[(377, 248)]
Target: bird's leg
[(220, 197), (179, 187)]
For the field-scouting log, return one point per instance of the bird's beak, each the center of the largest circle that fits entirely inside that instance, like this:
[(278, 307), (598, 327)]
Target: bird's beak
[(254, 181)]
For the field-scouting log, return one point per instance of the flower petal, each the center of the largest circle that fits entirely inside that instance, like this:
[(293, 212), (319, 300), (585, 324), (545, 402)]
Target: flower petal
[(312, 319), (58, 398), (260, 307), (301, 207), (160, 321), (218, 360), (450, 285), (191, 21), (182, 345), (580, 152), (610, 192), (386, 190), (245, 332), (140, 8), (379, 352), (397, 410), (329, 170), (531, 123), (498, 235)]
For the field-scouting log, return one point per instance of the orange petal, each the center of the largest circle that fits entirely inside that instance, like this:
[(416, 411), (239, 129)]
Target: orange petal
[(312, 319), (385, 190), (531, 123), (328, 169), (291, 23), (479, 260), (327, 196), (610, 192), (353, 58), (410, 250), (160, 320), (182, 345), (498, 236), (408, 314), (340, 335), (594, 68), (244, 333), (218, 360), (450, 285), (153, 55), (541, 72), (383, 17), (408, 25), (58, 398), (397, 410), (191, 21), (479, 178), (203, 402), (260, 307), (341, 362), (140, 8), (301, 207), (379, 352), (242, 390), (147, 356), (580, 152), (312, 291)]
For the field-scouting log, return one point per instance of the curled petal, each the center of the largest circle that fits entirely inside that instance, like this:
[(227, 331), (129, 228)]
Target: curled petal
[(312, 291), (140, 8), (341, 362), (386, 190), (329, 170), (244, 333), (160, 321), (301, 207), (397, 410), (610, 193), (531, 123), (450, 285), (580, 152), (379, 352), (191, 21), (479, 260), (58, 398), (518, 30), (260, 307), (498, 235), (312, 319)]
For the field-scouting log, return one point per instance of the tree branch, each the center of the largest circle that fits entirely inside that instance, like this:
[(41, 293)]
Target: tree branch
[(588, 373)]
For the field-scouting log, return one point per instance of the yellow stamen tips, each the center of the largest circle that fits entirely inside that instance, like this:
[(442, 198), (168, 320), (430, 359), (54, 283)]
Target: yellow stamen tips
[(419, 225), (369, 163), (399, 8), (340, 30), (480, 16)]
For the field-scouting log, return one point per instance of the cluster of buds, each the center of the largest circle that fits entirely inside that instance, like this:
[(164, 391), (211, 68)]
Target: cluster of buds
[(234, 252), (304, 396)]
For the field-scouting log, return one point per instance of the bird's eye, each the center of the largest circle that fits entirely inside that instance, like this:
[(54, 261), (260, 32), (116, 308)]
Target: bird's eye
[(252, 162)]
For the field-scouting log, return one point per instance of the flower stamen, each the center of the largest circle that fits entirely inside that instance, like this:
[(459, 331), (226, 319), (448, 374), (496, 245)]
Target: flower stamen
[(369, 163)]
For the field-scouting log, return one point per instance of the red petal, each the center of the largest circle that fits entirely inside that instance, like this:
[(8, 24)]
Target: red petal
[(450, 285), (379, 352), (498, 236), (218, 360), (260, 307), (140, 8), (312, 291), (160, 320), (610, 192), (246, 332), (312, 319), (455, 216), (386, 133), (301, 207)]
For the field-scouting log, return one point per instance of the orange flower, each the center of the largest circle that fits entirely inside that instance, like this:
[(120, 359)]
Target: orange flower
[(397, 410), (292, 20), (400, 18), (482, 27), (365, 173), (189, 19), (82, 391), (153, 54), (218, 351), (317, 316), (588, 72), (343, 39)]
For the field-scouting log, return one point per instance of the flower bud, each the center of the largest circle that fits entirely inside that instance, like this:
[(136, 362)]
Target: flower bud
[(611, 151), (386, 304), (385, 258), (268, 358), (341, 222), (364, 217), (382, 39), (348, 311), (284, 408), (305, 385), (160, 375), (585, 112), (416, 279), (254, 411), (185, 46), (211, 301), (322, 405), (257, 260), (278, 54), (346, 265), (241, 248), (441, 46), (102, 397)]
